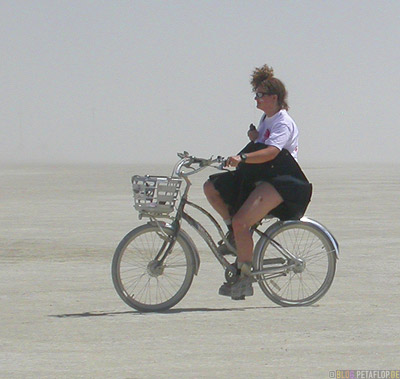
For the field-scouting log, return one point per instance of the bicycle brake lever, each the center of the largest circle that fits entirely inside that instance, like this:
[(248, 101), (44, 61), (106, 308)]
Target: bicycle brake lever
[(185, 154)]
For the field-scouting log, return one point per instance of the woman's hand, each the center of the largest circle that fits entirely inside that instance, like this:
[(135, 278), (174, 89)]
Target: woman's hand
[(252, 134), (233, 161)]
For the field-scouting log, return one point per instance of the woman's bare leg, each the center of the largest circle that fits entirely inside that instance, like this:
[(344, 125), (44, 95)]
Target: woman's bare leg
[(261, 201), (214, 198)]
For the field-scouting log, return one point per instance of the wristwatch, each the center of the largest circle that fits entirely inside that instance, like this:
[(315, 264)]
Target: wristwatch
[(243, 157)]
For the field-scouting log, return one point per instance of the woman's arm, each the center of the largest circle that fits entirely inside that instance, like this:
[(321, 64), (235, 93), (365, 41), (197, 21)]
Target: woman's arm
[(260, 156)]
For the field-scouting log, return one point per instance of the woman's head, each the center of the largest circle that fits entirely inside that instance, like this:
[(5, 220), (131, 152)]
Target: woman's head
[(263, 80)]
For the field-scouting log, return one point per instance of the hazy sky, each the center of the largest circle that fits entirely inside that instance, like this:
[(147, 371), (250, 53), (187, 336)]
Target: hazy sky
[(136, 81)]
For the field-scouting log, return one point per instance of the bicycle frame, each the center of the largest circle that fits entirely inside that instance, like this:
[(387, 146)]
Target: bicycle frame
[(204, 233)]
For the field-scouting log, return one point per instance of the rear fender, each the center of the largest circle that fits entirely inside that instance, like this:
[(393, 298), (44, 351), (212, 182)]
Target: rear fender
[(325, 230)]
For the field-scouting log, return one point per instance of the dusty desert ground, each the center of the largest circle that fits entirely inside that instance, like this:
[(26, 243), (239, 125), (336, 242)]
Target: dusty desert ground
[(61, 317)]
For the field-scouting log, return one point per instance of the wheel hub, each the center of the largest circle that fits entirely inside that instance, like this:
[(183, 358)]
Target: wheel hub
[(299, 267), (155, 268)]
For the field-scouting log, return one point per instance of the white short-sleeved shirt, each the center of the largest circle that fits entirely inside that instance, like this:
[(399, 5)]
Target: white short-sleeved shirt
[(280, 131)]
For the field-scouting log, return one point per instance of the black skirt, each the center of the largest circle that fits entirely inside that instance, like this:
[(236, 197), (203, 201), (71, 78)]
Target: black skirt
[(283, 173)]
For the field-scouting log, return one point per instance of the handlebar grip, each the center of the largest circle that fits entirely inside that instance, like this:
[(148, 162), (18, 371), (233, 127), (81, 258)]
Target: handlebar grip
[(198, 160), (222, 163)]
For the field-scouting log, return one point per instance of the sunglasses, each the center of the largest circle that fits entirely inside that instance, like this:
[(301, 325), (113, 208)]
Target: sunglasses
[(259, 95)]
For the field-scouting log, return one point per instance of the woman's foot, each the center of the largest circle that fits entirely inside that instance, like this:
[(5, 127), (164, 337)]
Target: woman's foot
[(239, 290), (243, 287)]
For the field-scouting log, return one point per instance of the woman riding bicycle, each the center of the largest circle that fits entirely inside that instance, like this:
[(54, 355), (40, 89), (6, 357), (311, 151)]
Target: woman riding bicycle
[(267, 179)]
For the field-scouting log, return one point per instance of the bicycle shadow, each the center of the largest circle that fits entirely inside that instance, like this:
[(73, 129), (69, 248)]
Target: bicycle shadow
[(167, 312)]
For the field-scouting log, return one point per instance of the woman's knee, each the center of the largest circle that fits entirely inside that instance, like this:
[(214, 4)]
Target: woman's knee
[(209, 189)]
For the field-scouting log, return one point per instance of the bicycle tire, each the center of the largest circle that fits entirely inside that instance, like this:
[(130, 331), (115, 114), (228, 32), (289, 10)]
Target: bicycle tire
[(135, 282), (314, 247)]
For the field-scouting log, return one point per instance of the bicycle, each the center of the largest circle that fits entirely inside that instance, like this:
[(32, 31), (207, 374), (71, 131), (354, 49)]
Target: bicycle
[(294, 262)]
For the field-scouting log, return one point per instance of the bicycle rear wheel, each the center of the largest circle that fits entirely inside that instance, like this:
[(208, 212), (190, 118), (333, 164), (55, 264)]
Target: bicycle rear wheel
[(307, 283), (140, 280)]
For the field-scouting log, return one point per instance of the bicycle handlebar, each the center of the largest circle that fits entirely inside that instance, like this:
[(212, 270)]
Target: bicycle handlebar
[(188, 160)]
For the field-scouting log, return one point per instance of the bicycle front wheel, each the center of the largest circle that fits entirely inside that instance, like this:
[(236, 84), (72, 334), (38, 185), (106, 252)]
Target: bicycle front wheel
[(306, 283), (139, 278)]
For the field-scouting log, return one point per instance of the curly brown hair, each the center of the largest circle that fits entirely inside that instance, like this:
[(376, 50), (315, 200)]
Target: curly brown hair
[(264, 77)]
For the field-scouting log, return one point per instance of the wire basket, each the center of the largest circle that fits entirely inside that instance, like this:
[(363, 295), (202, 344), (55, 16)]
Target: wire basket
[(155, 195)]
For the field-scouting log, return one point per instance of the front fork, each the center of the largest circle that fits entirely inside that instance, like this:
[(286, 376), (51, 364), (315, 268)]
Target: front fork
[(169, 240)]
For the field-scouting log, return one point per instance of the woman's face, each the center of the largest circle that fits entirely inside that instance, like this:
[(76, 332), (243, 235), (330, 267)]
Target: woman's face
[(267, 103)]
